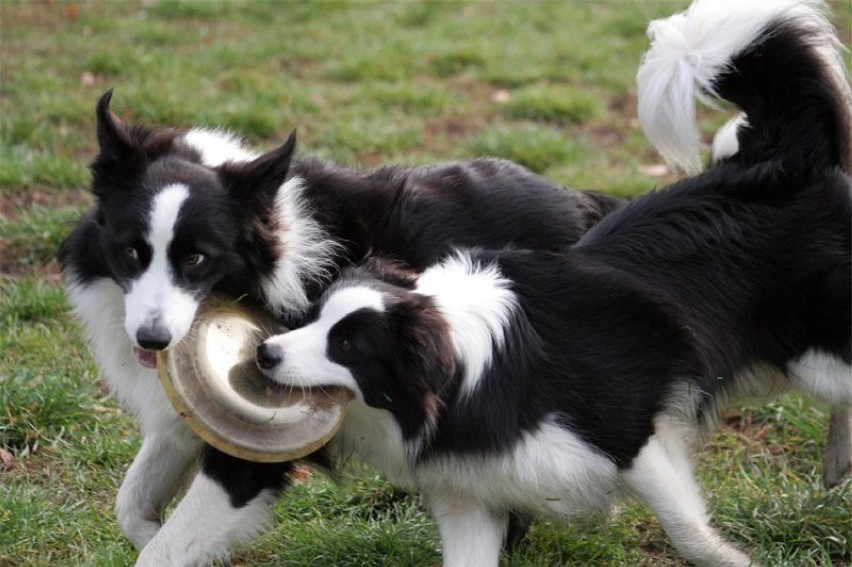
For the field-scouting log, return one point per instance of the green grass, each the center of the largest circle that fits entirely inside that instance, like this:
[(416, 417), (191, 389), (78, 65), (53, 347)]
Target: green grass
[(547, 84)]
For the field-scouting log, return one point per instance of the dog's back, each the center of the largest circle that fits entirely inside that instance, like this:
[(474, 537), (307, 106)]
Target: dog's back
[(417, 215)]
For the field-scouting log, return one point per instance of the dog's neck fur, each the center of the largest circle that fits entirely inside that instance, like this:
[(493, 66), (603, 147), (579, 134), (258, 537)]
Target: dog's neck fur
[(317, 237), (306, 252)]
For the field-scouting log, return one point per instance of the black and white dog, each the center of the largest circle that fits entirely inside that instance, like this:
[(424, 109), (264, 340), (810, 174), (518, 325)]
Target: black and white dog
[(556, 382), (182, 213)]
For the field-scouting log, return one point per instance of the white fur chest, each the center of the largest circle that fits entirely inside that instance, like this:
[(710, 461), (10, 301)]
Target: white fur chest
[(374, 437), (100, 307)]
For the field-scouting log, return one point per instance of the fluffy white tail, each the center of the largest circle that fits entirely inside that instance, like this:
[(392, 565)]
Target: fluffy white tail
[(694, 53)]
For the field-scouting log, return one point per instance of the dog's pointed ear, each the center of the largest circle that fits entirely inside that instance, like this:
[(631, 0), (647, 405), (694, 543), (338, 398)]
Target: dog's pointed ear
[(429, 356), (114, 138), (122, 150), (263, 176)]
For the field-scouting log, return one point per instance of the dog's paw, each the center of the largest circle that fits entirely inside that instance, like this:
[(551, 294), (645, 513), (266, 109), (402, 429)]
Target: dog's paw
[(139, 531)]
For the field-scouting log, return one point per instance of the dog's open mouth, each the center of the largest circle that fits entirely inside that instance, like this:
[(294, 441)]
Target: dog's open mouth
[(147, 358)]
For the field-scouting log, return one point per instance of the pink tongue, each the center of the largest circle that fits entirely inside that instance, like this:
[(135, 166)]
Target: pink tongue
[(147, 358)]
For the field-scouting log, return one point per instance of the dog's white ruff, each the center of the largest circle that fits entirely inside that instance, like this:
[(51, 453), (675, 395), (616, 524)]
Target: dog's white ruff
[(478, 303), (307, 252)]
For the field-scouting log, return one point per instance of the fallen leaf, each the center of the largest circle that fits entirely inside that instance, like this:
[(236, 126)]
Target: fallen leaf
[(501, 97), (654, 169), (88, 79), (71, 11), (7, 459), (301, 474)]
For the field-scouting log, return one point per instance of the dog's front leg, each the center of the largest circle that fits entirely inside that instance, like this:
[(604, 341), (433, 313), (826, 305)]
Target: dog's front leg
[(150, 484), (837, 462), (228, 503), (471, 532)]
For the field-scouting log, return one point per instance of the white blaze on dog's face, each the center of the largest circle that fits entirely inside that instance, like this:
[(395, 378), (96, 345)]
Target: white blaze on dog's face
[(308, 354), (158, 312)]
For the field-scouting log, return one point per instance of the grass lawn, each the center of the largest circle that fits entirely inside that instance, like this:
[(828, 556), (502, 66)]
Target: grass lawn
[(547, 84)]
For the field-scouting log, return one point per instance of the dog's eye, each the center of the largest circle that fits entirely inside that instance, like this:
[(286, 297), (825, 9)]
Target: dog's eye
[(131, 253), (345, 345), (194, 260)]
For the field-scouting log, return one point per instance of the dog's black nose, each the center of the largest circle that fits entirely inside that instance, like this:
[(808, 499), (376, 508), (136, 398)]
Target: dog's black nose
[(153, 337), (269, 356)]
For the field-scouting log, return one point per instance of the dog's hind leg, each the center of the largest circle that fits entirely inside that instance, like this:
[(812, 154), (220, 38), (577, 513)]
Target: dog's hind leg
[(829, 377), (471, 533), (151, 482), (661, 476), (837, 463)]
